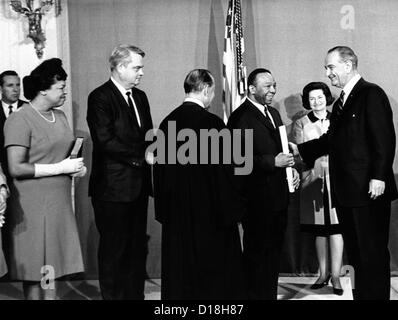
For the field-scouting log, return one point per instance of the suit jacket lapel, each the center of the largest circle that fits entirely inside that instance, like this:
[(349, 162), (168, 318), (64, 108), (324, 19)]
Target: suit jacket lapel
[(20, 103), (274, 133), (2, 115), (118, 94), (138, 104), (121, 101), (353, 92), (275, 117), (260, 116), (336, 120)]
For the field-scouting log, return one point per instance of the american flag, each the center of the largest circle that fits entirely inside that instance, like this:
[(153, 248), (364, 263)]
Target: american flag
[(234, 72)]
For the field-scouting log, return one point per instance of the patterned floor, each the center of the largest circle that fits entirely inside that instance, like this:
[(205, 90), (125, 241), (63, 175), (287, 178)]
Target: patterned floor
[(290, 288)]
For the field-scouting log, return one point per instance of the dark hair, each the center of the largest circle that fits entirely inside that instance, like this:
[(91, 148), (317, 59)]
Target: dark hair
[(251, 80), (316, 86), (196, 80), (346, 53), (7, 73), (43, 77)]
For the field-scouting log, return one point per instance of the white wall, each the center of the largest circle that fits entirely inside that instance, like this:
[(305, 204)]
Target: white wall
[(17, 51)]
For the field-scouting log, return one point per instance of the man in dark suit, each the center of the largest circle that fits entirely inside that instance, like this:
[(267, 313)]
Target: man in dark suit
[(361, 147), (10, 89), (265, 188), (118, 116)]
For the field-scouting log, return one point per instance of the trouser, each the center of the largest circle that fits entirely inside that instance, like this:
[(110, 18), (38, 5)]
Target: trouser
[(366, 232), (122, 248), (262, 246)]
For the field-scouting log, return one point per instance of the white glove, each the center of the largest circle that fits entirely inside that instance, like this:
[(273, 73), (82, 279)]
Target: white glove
[(81, 173), (66, 166)]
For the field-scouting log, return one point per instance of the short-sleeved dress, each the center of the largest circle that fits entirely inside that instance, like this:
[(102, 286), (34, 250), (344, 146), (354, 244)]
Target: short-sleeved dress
[(42, 223), (316, 213)]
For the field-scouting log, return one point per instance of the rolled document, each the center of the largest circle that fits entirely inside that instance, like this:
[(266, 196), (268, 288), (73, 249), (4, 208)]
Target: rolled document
[(285, 149)]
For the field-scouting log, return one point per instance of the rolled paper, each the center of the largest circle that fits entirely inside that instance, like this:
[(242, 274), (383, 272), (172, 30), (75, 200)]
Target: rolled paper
[(285, 149)]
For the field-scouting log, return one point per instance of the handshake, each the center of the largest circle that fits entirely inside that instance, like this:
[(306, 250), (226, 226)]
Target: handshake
[(294, 149), (283, 160)]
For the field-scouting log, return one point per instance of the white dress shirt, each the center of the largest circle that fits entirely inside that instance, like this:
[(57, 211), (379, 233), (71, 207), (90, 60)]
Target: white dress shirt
[(349, 86), (6, 108), (262, 109), (123, 91), (194, 100)]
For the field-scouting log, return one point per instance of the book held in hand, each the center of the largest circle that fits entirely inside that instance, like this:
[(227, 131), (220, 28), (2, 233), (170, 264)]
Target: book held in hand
[(76, 150)]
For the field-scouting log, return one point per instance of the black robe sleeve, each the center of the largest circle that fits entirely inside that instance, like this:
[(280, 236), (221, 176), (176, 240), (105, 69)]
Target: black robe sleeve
[(313, 149)]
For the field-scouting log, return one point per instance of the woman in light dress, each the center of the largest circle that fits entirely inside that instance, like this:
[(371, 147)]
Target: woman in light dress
[(317, 215)]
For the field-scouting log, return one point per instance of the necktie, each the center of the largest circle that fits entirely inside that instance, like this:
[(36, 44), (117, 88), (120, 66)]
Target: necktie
[(267, 115), (340, 102), (131, 105), (9, 109)]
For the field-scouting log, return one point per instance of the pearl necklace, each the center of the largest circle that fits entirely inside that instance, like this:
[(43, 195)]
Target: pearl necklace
[(52, 113)]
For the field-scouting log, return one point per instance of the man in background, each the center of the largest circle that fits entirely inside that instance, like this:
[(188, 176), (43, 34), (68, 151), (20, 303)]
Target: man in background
[(10, 89)]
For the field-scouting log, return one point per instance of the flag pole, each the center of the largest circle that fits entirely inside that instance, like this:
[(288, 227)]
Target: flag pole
[(234, 70)]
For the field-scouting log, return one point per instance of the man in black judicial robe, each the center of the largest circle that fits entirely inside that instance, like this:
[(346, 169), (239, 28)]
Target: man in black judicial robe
[(198, 208)]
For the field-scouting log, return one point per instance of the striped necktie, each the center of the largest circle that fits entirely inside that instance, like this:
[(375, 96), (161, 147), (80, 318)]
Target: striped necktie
[(340, 102)]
